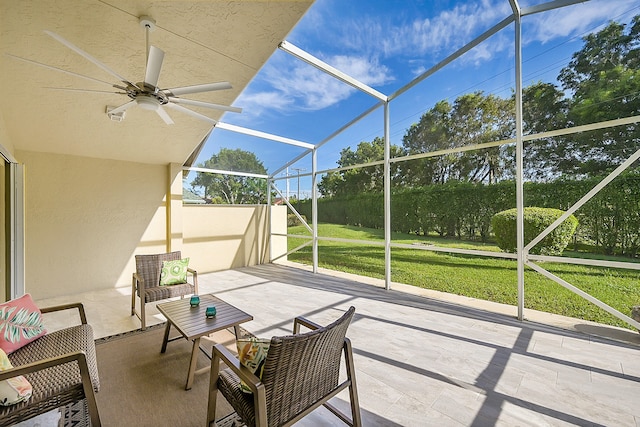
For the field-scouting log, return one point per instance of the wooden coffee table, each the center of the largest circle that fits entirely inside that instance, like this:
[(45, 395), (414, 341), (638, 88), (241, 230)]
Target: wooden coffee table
[(193, 324)]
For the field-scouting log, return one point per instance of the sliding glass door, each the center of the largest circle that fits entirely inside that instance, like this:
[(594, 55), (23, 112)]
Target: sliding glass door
[(12, 230)]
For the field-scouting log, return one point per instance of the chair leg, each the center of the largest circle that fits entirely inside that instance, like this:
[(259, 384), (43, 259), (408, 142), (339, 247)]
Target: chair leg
[(213, 390), (89, 392), (143, 316), (133, 295), (353, 388)]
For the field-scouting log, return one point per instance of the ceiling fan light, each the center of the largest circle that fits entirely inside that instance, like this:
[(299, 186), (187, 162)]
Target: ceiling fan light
[(147, 103)]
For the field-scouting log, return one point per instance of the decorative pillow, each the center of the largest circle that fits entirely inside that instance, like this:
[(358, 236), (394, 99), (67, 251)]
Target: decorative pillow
[(13, 390), (20, 323), (252, 352), (174, 272)]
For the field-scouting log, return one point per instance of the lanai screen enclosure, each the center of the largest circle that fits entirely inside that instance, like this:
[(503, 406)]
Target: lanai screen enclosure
[(508, 27)]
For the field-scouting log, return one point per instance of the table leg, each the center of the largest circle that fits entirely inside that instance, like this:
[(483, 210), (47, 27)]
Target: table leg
[(166, 337), (192, 363), (237, 330)]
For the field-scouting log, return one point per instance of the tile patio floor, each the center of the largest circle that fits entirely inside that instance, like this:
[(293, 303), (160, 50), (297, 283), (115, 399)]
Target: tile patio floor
[(428, 359)]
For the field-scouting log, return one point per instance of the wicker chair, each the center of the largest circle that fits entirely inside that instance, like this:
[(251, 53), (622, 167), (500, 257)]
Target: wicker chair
[(146, 282), (301, 373), (62, 369)]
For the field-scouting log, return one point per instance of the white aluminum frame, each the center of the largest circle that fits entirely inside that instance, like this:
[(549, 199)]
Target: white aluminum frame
[(14, 237), (522, 255)]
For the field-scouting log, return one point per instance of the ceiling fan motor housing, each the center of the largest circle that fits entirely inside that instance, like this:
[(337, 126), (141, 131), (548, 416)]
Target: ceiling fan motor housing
[(149, 98), (147, 102)]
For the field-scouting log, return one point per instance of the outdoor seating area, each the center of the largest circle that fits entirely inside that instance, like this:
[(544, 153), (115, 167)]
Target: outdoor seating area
[(147, 286), (466, 149), (420, 360)]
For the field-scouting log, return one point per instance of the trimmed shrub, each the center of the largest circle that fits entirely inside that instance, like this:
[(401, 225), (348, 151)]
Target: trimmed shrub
[(536, 220), (292, 220)]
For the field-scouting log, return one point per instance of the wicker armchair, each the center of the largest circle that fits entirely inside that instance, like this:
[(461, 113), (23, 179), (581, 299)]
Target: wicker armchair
[(301, 373), (62, 369), (145, 284)]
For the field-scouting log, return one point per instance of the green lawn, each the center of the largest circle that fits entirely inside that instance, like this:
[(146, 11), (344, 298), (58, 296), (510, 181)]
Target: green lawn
[(492, 279)]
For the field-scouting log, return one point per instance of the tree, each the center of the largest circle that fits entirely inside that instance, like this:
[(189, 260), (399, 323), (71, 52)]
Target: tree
[(357, 180), (432, 133), (478, 119), (544, 108), (473, 119), (231, 189), (604, 79)]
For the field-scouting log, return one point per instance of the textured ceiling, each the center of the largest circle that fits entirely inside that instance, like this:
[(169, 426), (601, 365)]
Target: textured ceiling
[(203, 41)]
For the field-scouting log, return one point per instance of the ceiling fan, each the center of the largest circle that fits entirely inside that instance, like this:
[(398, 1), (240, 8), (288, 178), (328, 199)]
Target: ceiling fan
[(145, 94)]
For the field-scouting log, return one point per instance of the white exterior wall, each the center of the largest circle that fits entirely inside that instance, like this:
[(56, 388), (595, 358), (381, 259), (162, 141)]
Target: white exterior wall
[(85, 219)]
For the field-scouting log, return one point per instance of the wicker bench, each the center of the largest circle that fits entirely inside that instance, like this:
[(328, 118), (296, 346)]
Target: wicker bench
[(62, 369)]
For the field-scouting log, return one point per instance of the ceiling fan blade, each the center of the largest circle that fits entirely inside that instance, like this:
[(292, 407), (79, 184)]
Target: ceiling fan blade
[(123, 107), (205, 104), (163, 114), (90, 58), (177, 91), (66, 89), (191, 113), (60, 69), (154, 65)]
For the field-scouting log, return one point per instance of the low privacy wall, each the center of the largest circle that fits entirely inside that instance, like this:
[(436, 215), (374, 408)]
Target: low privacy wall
[(218, 237)]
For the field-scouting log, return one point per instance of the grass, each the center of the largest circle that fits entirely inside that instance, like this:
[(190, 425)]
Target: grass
[(492, 279)]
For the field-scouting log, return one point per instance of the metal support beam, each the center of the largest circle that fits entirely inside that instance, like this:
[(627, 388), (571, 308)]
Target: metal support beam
[(264, 135), (387, 199), (224, 172), (584, 295), (269, 231), (521, 250), (549, 6), (290, 163), (314, 206), (334, 72), (290, 206)]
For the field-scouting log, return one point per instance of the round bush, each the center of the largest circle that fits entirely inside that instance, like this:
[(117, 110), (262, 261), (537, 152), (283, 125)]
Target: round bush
[(292, 220), (536, 220)]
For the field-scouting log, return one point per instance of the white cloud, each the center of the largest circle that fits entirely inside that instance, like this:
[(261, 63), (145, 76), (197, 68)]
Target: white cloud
[(574, 20), (258, 102), (296, 85), (445, 32)]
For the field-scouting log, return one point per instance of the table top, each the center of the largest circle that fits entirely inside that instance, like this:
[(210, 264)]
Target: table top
[(192, 322)]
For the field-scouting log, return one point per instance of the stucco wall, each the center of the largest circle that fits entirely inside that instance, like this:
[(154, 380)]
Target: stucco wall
[(218, 237), (85, 219)]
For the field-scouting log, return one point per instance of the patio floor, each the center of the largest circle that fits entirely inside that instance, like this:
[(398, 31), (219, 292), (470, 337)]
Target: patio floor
[(426, 361)]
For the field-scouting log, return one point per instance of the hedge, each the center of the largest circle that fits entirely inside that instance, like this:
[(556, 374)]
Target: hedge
[(610, 221)]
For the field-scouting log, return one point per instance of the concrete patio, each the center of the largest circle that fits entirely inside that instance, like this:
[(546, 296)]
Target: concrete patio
[(422, 360)]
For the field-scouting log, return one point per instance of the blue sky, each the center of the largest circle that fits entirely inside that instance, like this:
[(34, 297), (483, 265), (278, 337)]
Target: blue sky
[(386, 44)]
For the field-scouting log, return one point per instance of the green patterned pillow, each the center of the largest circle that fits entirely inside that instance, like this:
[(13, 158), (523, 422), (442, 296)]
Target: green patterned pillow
[(20, 323), (174, 272), (252, 352), (13, 390)]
